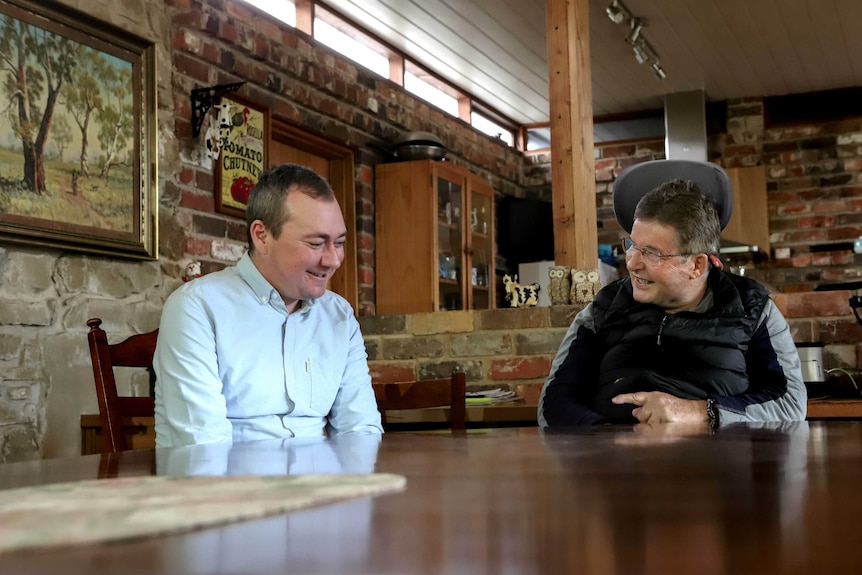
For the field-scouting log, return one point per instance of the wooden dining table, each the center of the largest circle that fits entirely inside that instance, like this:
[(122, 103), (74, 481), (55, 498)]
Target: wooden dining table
[(760, 499)]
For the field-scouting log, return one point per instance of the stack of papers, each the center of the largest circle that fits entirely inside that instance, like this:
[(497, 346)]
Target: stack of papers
[(489, 396)]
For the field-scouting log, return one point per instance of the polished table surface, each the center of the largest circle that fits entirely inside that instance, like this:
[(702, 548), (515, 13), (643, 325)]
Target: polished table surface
[(744, 499)]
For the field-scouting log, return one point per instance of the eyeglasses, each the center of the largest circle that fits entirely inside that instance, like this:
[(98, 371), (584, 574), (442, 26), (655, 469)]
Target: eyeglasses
[(650, 256)]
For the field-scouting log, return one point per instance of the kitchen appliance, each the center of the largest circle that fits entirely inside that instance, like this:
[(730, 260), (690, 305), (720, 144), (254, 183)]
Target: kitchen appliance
[(811, 357), (419, 146)]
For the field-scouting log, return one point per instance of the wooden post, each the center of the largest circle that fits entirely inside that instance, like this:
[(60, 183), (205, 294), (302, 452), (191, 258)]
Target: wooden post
[(573, 166)]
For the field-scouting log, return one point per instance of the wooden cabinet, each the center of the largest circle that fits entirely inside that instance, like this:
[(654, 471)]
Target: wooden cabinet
[(435, 238), (749, 221)]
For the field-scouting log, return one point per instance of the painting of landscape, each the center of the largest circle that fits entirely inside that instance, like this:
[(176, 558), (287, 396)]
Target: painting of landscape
[(72, 135)]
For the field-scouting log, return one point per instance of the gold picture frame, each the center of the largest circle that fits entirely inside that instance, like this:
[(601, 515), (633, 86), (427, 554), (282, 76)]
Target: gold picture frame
[(78, 161), (244, 141)]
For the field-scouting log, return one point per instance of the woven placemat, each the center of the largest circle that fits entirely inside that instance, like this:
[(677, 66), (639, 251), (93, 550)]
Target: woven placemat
[(136, 507)]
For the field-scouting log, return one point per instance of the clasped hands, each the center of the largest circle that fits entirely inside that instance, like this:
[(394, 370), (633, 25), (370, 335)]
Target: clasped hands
[(659, 407)]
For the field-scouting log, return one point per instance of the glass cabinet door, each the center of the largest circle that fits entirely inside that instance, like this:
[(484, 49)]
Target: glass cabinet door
[(450, 247), (480, 225)]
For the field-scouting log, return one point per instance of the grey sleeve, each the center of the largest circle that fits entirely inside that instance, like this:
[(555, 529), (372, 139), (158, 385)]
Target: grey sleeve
[(776, 392), (565, 373)]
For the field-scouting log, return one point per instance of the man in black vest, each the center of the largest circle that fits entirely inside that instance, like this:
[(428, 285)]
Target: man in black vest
[(679, 340)]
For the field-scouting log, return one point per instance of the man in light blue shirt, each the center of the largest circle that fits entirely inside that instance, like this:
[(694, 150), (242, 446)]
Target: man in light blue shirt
[(262, 350)]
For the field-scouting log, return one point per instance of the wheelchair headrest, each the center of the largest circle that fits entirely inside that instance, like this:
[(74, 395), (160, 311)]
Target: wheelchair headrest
[(635, 181)]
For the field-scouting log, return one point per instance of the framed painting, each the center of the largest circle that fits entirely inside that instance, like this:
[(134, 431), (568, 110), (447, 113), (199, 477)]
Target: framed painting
[(78, 133), (244, 131)]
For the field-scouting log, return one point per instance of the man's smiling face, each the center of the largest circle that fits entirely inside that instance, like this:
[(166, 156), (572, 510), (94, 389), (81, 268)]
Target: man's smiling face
[(301, 260), (668, 283)]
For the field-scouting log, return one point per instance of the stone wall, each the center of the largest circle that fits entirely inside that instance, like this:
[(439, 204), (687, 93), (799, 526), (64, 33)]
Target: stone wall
[(508, 348), (46, 295)]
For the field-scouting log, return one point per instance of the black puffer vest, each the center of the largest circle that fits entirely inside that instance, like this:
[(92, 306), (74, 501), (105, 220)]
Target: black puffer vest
[(690, 355)]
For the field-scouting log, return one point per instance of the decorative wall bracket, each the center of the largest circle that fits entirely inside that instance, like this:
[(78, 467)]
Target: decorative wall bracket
[(203, 98)]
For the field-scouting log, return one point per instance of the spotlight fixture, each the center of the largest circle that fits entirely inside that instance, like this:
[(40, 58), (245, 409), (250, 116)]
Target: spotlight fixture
[(644, 52), (618, 12), (641, 53), (635, 32)]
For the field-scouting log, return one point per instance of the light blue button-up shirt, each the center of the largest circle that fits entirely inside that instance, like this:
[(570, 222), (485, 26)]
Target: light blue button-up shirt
[(233, 365)]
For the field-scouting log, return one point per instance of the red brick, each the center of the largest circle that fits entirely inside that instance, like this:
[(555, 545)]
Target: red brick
[(205, 181), (840, 331), (364, 242), (197, 201), (365, 276), (520, 368), (186, 176), (529, 392), (813, 304), (388, 372), (198, 247), (186, 66), (835, 206)]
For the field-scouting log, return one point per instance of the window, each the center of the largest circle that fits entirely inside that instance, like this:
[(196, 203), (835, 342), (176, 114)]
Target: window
[(488, 126), (350, 43), (354, 43), (419, 83), (284, 10), (538, 138)]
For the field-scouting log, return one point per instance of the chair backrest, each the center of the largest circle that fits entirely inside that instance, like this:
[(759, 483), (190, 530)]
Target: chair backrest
[(635, 181), (450, 392), (136, 351)]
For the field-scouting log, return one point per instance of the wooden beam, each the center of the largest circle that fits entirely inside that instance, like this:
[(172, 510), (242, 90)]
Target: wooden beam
[(465, 107), (573, 165), (305, 16)]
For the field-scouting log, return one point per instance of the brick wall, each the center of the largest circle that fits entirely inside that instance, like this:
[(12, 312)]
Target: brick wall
[(814, 184), (508, 348), (307, 85), (825, 317)]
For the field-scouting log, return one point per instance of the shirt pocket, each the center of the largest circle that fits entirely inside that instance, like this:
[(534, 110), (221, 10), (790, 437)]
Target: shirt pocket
[(324, 383)]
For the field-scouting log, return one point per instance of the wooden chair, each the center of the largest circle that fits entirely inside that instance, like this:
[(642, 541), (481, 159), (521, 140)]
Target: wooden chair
[(450, 392), (136, 351)]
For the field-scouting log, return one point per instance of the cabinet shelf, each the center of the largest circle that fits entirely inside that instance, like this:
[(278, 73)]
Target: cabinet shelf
[(420, 238)]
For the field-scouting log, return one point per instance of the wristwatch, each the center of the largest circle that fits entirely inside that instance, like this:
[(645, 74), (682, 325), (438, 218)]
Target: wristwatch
[(712, 412)]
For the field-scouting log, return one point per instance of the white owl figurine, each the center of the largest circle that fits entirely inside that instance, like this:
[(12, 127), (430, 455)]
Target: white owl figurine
[(596, 280), (559, 284), (582, 288)]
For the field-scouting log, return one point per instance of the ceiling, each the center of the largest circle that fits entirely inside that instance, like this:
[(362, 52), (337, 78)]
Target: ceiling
[(496, 49)]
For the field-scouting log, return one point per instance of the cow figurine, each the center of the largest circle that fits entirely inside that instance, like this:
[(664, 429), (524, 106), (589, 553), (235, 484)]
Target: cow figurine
[(518, 295), (511, 285), (530, 294)]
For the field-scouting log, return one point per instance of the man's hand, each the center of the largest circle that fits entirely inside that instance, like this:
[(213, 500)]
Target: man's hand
[(659, 407)]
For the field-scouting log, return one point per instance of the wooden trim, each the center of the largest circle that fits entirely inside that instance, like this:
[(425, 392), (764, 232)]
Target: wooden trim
[(834, 408), (305, 16), (465, 107), (573, 174), (396, 69)]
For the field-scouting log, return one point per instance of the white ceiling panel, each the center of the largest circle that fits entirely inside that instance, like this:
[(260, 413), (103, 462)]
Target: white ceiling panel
[(496, 49)]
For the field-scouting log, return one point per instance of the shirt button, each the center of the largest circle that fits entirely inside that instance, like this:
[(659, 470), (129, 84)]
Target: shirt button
[(264, 299)]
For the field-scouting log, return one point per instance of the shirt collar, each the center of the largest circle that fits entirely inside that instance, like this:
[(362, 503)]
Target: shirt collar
[(263, 290)]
